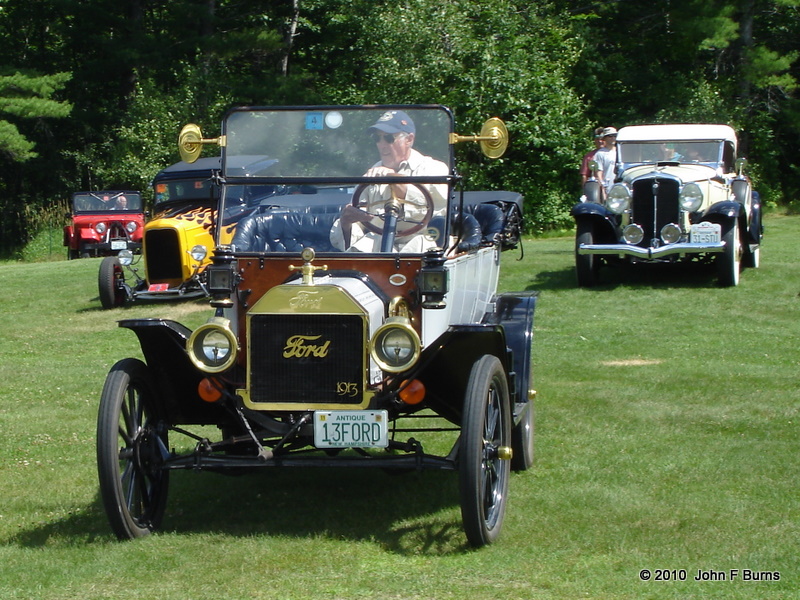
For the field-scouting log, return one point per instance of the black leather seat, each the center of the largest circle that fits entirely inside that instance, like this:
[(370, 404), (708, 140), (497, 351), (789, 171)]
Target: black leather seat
[(471, 235), (491, 219), (285, 231)]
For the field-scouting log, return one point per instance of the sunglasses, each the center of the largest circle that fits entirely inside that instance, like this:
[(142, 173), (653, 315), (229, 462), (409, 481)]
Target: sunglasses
[(386, 137)]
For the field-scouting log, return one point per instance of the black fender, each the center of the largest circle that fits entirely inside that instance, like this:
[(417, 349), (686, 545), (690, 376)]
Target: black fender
[(445, 365), (605, 223), (163, 344), (506, 333), (721, 211), (514, 311)]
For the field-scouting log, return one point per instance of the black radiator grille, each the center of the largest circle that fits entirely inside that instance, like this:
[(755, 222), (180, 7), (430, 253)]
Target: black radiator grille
[(652, 213), (307, 359), (163, 255)]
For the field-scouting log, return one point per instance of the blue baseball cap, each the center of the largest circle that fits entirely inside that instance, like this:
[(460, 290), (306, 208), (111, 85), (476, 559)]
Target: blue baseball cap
[(394, 121)]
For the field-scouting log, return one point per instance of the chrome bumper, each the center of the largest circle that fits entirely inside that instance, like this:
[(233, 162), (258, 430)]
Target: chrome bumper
[(650, 253), (173, 294)]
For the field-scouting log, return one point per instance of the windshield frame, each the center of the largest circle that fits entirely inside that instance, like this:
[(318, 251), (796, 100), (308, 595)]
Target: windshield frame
[(675, 144), (233, 176)]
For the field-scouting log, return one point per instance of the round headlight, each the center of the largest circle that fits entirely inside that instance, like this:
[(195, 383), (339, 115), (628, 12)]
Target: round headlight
[(671, 233), (100, 228), (619, 198), (199, 253), (213, 347), (691, 197), (395, 346), (131, 226), (633, 234), (125, 257)]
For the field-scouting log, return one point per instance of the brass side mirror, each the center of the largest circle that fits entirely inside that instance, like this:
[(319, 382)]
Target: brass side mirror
[(493, 138), (190, 142)]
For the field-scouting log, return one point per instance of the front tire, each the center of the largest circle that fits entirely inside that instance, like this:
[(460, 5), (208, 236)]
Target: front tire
[(729, 262), (586, 265), (484, 471), (109, 280), (131, 444)]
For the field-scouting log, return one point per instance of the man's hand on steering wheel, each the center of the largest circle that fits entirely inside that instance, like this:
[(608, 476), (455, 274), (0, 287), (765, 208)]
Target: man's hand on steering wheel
[(405, 227), (392, 227)]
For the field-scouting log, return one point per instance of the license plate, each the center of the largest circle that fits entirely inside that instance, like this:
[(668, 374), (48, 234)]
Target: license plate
[(706, 233), (351, 429), (119, 244), (158, 287)]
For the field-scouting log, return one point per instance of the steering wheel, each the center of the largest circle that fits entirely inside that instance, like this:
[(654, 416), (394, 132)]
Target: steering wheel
[(392, 225)]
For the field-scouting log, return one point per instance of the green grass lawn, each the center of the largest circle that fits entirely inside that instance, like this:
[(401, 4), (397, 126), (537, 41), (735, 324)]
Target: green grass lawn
[(667, 439)]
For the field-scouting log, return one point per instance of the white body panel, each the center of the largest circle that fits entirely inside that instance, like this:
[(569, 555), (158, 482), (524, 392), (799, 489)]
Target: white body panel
[(472, 286)]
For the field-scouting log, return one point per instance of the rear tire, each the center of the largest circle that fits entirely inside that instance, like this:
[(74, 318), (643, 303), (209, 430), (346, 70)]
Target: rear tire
[(522, 437), (752, 258)]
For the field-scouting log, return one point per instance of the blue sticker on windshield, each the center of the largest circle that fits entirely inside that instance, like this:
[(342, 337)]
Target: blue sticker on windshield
[(314, 120)]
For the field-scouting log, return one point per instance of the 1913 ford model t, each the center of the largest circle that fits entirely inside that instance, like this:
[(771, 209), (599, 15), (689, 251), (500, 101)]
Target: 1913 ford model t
[(348, 307)]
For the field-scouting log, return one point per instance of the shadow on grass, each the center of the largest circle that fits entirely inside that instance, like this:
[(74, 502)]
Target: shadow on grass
[(139, 302), (409, 514), (650, 276)]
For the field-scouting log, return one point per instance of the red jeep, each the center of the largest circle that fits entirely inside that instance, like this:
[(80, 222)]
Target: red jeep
[(103, 223)]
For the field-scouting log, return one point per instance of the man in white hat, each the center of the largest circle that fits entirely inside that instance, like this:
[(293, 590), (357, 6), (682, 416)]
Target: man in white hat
[(606, 158)]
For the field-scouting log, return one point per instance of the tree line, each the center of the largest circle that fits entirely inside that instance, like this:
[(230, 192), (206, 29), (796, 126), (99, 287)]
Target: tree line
[(94, 92)]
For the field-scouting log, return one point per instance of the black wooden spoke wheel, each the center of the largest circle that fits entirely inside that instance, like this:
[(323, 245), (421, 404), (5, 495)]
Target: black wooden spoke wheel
[(485, 436), (131, 446)]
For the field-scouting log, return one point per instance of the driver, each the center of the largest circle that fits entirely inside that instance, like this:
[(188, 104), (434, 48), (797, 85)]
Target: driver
[(393, 134)]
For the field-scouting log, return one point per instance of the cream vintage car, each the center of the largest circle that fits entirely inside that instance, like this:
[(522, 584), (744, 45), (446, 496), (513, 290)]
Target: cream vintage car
[(355, 320), (680, 195)]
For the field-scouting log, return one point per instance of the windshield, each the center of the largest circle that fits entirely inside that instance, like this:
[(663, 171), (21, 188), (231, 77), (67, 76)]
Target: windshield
[(289, 176), (185, 190), (322, 143), (94, 202), (670, 151)]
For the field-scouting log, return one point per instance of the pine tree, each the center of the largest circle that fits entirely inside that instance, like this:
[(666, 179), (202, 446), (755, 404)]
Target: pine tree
[(28, 96)]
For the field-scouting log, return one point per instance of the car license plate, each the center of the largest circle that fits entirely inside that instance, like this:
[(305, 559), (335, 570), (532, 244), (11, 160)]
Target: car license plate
[(706, 233), (119, 244), (158, 287), (351, 429)]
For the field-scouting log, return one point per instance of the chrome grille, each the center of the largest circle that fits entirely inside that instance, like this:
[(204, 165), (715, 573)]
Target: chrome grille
[(325, 362), (655, 204)]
